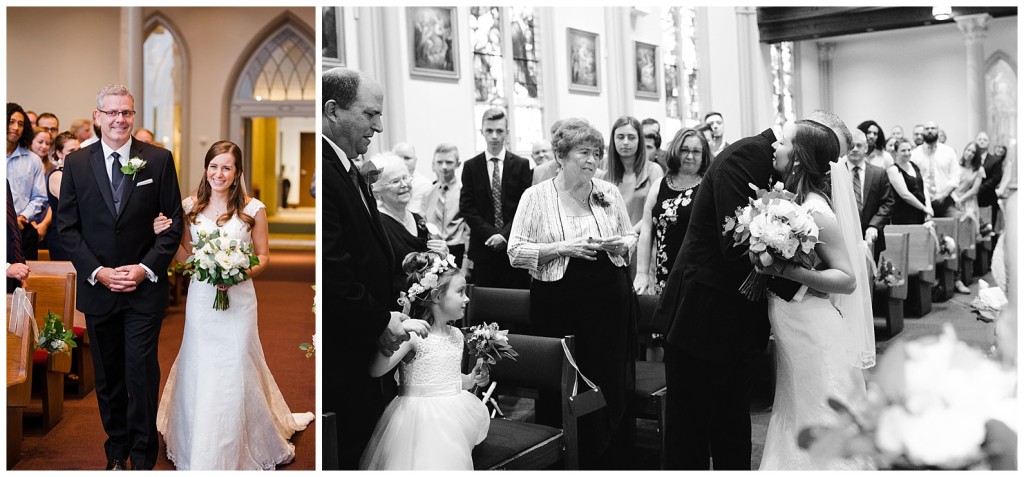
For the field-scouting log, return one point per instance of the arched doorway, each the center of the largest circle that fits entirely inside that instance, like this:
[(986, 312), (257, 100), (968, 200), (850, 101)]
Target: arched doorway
[(272, 116), (165, 72), (1001, 99)]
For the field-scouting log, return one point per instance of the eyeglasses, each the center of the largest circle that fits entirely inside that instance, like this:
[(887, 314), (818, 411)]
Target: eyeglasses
[(128, 114), (683, 152), (398, 180)]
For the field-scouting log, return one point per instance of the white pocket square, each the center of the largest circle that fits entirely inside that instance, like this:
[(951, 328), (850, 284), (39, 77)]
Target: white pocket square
[(145, 182)]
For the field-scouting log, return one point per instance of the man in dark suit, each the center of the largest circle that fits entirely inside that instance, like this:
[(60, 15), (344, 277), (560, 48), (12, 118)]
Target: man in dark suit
[(993, 164), (17, 270), (492, 184), (713, 332), (358, 319), (106, 225), (873, 192)]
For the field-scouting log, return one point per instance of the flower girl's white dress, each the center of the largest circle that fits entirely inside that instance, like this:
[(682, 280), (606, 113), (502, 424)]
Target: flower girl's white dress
[(432, 424), (221, 408)]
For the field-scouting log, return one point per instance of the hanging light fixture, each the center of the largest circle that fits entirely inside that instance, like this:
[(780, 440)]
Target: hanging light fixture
[(942, 13)]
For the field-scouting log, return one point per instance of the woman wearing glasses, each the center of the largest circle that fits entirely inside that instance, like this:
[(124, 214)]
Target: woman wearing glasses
[(667, 210), (406, 230)]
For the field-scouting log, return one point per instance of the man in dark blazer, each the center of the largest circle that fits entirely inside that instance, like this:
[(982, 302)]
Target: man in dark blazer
[(357, 316), (993, 164), (480, 203), (713, 332), (105, 220), (877, 196)]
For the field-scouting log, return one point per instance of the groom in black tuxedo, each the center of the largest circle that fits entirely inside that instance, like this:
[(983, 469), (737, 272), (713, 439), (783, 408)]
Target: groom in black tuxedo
[(106, 225), (357, 265), (713, 332)]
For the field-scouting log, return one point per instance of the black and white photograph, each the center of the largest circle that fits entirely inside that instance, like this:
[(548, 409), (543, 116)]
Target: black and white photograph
[(669, 237), (161, 239), (433, 36)]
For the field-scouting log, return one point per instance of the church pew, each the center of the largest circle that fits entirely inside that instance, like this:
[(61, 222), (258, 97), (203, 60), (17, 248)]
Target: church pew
[(921, 269), (888, 301), (946, 269), (54, 293), (19, 381), (81, 357)]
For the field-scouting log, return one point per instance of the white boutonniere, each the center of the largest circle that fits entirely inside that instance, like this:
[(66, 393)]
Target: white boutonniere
[(133, 167)]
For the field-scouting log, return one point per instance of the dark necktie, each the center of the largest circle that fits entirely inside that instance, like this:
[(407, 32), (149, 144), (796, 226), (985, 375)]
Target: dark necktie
[(353, 174), (13, 234), (116, 180), (856, 188), (499, 221), (442, 199)]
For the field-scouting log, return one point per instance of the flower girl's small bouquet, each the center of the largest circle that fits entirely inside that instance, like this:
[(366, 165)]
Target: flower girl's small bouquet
[(947, 248), (888, 274), (220, 260), (54, 338), (488, 345), (774, 227)]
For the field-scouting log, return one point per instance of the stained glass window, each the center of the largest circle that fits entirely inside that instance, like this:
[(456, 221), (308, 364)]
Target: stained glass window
[(283, 69), (507, 70), (782, 82)]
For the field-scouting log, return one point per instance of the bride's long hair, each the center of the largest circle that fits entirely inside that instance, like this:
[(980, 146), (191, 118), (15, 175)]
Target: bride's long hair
[(814, 147), (236, 193)]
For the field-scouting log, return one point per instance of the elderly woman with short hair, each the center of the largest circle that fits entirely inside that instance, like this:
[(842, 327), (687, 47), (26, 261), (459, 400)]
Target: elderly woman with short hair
[(406, 230), (574, 235)]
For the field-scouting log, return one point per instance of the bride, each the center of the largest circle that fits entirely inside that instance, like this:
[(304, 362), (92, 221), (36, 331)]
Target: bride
[(221, 408), (821, 339)]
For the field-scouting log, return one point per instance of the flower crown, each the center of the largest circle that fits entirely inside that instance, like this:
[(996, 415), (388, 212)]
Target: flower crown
[(430, 279)]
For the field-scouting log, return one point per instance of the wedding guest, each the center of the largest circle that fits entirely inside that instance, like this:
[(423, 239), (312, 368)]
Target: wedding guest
[(896, 132), (541, 152), (26, 175), (628, 169), (939, 166), (32, 117), (146, 136), (420, 184), (876, 154), (890, 145), (357, 264), (17, 270), (912, 204), (873, 193), (65, 143), (49, 122), (993, 164), (918, 134), (41, 146), (550, 167), (717, 141), (492, 184), (965, 196), (575, 237), (942, 136), (441, 206), (406, 229), (667, 210), (83, 129), (652, 143)]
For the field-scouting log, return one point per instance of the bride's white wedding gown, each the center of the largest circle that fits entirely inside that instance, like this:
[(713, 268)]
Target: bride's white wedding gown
[(812, 365), (221, 408)]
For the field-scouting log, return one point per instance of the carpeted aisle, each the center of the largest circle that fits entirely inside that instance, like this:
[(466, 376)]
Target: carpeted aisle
[(285, 320)]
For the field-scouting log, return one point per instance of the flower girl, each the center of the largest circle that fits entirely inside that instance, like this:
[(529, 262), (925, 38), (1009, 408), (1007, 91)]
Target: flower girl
[(434, 423)]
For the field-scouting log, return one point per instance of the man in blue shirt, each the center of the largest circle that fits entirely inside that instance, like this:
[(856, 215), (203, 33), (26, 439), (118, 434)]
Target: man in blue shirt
[(26, 175)]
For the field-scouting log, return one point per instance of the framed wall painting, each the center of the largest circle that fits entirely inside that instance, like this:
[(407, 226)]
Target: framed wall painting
[(584, 61), (433, 42), (646, 59), (333, 31)]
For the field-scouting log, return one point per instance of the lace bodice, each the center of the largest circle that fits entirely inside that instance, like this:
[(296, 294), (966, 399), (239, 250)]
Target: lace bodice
[(437, 360), (234, 228)]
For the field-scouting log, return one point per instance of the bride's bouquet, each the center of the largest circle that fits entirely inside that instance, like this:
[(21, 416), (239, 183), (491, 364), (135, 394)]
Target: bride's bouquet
[(220, 260), (774, 227)]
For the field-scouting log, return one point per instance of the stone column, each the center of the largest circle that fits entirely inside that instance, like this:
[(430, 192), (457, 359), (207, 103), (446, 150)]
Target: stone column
[(747, 42), (975, 30), (826, 50), (132, 58)]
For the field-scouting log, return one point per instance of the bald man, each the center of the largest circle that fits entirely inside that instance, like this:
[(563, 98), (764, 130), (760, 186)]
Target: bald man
[(420, 185)]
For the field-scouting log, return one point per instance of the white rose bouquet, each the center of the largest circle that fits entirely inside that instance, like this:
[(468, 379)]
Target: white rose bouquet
[(773, 227), (933, 403), (220, 261)]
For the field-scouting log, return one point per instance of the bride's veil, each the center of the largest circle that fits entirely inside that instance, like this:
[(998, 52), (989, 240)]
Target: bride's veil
[(855, 307)]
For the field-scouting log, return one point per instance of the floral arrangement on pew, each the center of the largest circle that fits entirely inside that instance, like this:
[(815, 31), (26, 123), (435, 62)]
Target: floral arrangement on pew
[(220, 260), (488, 344), (947, 247), (54, 338), (774, 227), (888, 274), (933, 403)]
